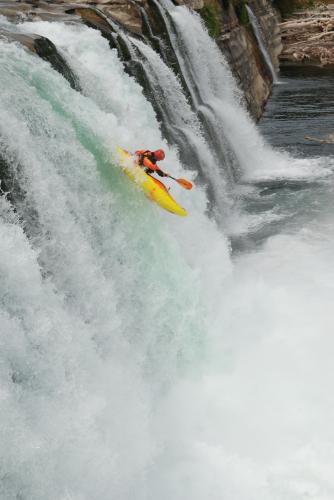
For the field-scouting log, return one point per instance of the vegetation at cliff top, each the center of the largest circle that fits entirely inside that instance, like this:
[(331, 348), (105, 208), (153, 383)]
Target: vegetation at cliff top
[(241, 11), (210, 15)]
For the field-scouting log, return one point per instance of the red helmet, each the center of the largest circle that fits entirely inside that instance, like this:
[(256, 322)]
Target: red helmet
[(159, 154)]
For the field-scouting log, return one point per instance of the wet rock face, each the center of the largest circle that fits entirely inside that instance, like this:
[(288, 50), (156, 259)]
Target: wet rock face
[(45, 49), (269, 20), (261, 80), (125, 12), (249, 68)]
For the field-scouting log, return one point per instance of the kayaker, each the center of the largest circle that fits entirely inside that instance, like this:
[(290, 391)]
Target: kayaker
[(148, 160)]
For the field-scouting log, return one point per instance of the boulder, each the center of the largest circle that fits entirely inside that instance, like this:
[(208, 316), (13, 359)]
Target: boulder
[(45, 49)]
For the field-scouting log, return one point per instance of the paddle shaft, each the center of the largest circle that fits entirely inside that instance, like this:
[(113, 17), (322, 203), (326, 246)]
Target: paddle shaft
[(182, 182)]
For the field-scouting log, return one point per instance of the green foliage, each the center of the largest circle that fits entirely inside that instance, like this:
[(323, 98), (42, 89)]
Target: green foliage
[(210, 15), (241, 11)]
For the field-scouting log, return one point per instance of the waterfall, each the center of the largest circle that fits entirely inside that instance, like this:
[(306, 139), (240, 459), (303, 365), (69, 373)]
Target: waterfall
[(205, 108), (261, 43), (88, 314), (179, 122), (245, 155), (139, 359), (185, 129)]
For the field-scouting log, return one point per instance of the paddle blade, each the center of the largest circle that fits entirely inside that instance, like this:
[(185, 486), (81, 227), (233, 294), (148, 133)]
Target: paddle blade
[(185, 184)]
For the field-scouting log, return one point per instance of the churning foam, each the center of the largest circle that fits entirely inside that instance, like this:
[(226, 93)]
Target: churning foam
[(138, 362)]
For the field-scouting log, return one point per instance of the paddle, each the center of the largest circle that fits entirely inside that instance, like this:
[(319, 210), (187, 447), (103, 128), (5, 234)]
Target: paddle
[(185, 184)]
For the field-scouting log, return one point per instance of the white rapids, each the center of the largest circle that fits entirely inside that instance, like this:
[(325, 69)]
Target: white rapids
[(140, 360)]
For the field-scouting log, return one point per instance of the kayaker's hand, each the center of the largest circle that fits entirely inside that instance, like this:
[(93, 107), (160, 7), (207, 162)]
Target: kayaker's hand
[(160, 172)]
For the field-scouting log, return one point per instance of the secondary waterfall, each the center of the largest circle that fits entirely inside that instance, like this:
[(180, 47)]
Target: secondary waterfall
[(260, 40), (140, 360)]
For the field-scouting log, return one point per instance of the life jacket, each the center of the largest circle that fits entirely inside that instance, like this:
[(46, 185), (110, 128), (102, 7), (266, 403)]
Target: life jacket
[(146, 154)]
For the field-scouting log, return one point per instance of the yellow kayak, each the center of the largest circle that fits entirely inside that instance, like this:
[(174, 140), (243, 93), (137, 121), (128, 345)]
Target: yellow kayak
[(152, 188)]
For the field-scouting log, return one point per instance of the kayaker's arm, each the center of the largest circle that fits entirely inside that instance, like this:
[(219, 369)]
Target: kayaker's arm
[(148, 160), (161, 173)]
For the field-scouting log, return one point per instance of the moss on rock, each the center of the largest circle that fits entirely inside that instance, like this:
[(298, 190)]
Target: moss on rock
[(241, 11), (210, 15)]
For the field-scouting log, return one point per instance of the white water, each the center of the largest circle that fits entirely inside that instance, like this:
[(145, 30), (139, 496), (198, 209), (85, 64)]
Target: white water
[(222, 104), (187, 126), (138, 361), (260, 40)]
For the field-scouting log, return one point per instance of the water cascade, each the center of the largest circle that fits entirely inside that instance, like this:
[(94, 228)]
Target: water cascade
[(139, 358), (261, 43), (204, 108), (184, 128)]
